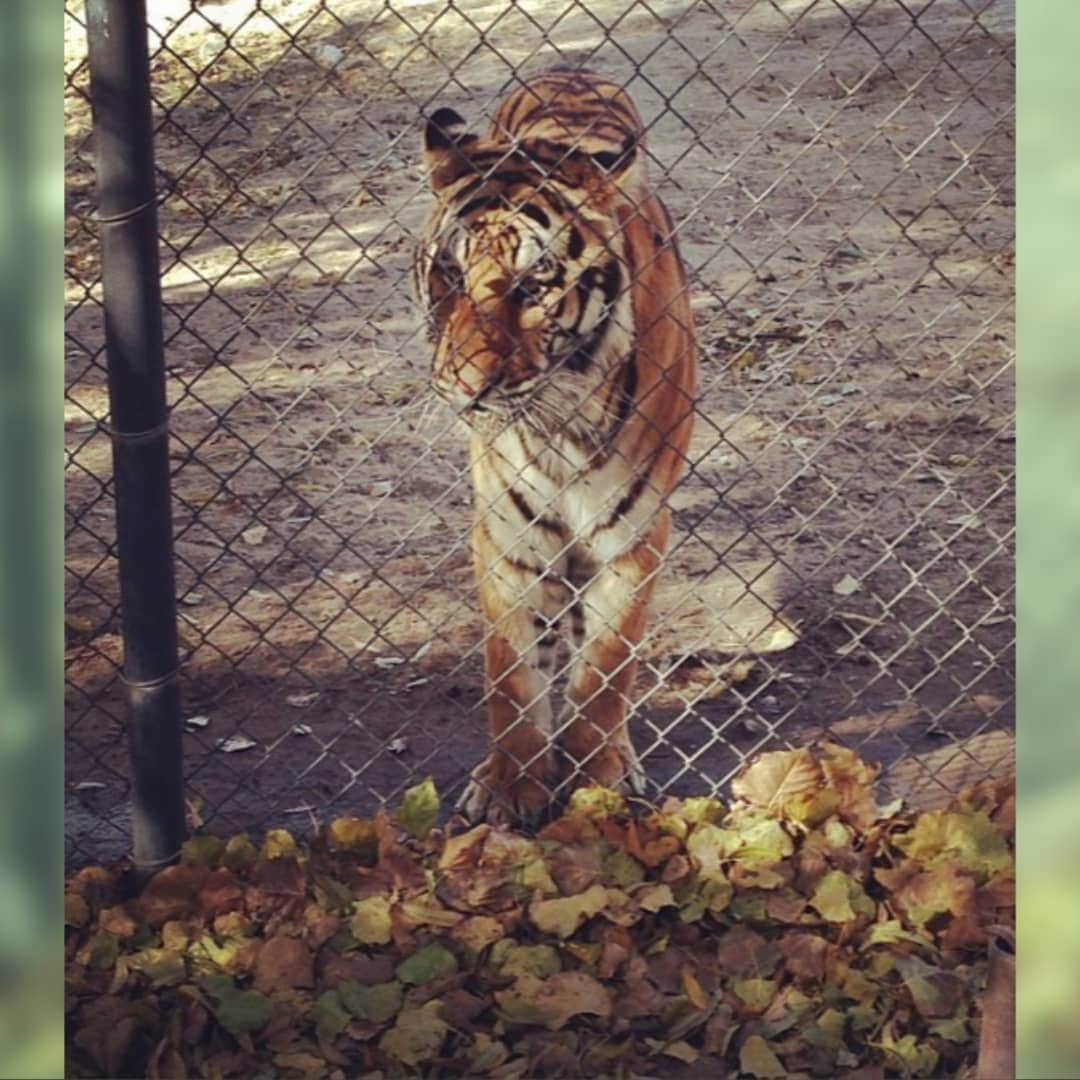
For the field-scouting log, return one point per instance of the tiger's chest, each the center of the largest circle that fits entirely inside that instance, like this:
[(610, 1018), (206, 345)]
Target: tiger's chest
[(545, 503)]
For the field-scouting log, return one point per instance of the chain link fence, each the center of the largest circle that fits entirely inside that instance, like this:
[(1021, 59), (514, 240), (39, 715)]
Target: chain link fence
[(840, 177)]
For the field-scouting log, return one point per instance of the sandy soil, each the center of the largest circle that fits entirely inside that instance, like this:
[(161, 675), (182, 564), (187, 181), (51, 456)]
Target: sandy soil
[(842, 180)]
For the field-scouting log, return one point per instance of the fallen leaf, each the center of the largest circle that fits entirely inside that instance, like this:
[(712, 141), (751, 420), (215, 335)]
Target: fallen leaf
[(419, 809), (417, 1035), (654, 897), (234, 744), (377, 1004), (757, 1058), (564, 915), (353, 834), (284, 963), (552, 1002), (430, 962), (370, 923), (846, 586), (238, 1011), (330, 1016), (539, 960), (776, 779)]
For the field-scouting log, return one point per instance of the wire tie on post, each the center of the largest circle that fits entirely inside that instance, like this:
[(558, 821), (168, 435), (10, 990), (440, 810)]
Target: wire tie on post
[(127, 215), (150, 684), (153, 865), (135, 436)]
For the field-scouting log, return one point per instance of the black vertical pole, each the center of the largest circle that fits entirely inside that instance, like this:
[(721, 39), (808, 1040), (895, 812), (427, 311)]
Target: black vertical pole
[(127, 212)]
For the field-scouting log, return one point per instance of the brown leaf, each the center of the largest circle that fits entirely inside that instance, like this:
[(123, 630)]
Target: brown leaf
[(639, 997), (574, 867), (744, 952), (491, 869), (658, 850), (280, 876), (552, 1002), (284, 963), (460, 1008), (220, 893), (107, 1027), (335, 968), (117, 921), (612, 954), (462, 852), (321, 928), (676, 869), (935, 991), (719, 1030), (852, 780), (785, 905), (478, 932), (171, 893), (923, 894), (666, 969), (775, 779), (805, 955)]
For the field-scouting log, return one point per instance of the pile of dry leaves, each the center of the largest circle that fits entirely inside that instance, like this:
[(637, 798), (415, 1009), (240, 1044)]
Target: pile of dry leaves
[(804, 931)]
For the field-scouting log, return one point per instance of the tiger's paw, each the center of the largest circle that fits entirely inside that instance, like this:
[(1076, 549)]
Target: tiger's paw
[(613, 767), (502, 793)]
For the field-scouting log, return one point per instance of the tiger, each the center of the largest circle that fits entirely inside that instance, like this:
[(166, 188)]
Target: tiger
[(558, 306)]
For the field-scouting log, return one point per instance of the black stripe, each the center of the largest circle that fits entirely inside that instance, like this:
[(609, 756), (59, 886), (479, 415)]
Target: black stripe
[(482, 202), (626, 401), (580, 359), (577, 619), (521, 566), (538, 215), (526, 512), (577, 243), (626, 503), (517, 564), (609, 280)]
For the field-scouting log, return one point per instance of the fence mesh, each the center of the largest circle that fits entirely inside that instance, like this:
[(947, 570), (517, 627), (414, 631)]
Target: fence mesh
[(840, 177)]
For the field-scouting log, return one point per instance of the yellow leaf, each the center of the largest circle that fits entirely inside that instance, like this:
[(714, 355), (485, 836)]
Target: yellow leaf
[(417, 1035), (277, 844), (653, 897), (353, 834), (693, 990), (552, 1002), (564, 915), (757, 1058), (775, 779), (371, 920)]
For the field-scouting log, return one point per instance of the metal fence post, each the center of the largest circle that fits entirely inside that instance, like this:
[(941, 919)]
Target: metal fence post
[(120, 94)]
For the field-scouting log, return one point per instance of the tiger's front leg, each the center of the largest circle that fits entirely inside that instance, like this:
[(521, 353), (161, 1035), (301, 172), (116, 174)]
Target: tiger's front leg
[(515, 783), (614, 608)]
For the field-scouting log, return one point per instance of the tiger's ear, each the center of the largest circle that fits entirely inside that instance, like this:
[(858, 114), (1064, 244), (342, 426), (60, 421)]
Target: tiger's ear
[(445, 144)]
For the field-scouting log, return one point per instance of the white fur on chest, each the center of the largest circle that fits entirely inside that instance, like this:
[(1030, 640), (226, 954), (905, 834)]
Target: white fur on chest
[(559, 486)]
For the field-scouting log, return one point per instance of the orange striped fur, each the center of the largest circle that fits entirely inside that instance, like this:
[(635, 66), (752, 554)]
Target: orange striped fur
[(561, 321)]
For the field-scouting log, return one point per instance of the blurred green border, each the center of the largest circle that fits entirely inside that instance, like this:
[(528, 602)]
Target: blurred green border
[(1048, 312), (31, 539), (1048, 540)]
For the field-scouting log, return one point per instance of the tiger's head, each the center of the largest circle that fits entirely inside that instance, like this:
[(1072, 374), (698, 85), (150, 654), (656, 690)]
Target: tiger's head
[(523, 274)]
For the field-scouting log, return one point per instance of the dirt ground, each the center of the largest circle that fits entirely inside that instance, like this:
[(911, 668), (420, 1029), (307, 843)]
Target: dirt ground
[(841, 176)]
